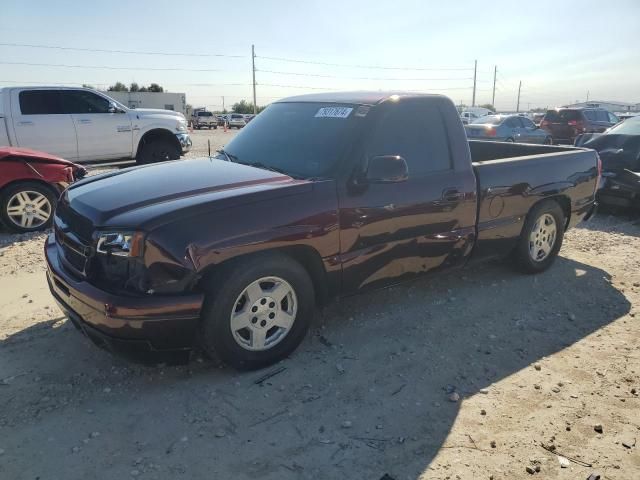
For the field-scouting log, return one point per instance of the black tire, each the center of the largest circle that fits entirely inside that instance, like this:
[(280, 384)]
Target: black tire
[(222, 293), (158, 150), (522, 256), (215, 127), (10, 192), (548, 141), (510, 140), (209, 127)]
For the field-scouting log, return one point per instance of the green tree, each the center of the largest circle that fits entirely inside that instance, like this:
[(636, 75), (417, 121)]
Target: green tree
[(154, 87), (143, 89), (488, 106), (118, 87), (134, 87), (245, 107)]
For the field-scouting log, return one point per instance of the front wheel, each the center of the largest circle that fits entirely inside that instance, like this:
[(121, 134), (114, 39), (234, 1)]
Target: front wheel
[(257, 311), (548, 141), (27, 207), (541, 237), (158, 150), (509, 140)]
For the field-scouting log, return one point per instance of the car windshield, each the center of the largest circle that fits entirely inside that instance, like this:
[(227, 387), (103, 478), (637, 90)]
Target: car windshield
[(302, 139), (489, 120), (205, 114), (237, 116), (630, 126)]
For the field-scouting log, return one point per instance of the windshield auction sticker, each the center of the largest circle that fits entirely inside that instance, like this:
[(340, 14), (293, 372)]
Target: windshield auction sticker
[(333, 112)]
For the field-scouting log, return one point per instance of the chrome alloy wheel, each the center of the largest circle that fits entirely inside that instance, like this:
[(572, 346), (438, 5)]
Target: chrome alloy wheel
[(29, 209), (542, 237), (263, 314)]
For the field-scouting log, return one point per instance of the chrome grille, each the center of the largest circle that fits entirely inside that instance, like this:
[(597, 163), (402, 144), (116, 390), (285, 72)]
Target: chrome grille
[(75, 254)]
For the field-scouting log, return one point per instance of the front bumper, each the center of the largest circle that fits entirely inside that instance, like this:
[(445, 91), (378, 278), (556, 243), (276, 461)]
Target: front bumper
[(185, 142), (144, 328)]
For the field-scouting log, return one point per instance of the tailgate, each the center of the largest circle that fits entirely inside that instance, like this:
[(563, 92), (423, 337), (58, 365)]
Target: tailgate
[(560, 129)]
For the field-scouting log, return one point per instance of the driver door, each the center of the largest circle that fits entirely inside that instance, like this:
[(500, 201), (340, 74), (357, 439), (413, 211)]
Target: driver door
[(103, 134), (393, 231)]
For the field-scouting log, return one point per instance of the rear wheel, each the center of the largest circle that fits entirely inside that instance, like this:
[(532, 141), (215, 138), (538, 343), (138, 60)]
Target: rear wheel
[(27, 207), (158, 150), (509, 140), (541, 237), (548, 141), (257, 312)]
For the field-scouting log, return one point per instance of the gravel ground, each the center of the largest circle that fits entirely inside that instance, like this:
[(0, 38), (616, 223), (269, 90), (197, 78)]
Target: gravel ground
[(461, 376)]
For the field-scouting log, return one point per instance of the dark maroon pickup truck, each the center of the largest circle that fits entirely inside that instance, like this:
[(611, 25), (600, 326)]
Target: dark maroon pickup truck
[(319, 196)]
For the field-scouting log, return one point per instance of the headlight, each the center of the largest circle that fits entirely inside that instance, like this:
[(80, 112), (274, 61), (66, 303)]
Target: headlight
[(122, 244), (181, 126)]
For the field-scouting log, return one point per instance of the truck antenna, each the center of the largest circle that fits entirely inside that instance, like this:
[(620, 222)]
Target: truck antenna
[(209, 144)]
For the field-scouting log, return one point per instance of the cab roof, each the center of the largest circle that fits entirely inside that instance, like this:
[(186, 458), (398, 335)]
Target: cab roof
[(357, 98)]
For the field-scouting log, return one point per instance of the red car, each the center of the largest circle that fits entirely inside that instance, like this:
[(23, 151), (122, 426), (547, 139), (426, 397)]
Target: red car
[(30, 184)]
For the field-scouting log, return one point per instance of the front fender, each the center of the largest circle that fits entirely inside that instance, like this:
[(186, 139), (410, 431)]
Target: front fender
[(193, 244)]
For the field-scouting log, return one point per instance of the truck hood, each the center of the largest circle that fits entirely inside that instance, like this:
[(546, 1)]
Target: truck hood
[(156, 112), (145, 197)]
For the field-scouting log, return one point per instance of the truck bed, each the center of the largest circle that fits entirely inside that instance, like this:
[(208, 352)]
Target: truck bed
[(512, 177)]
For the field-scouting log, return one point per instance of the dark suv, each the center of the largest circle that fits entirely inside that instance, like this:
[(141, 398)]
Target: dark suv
[(565, 124)]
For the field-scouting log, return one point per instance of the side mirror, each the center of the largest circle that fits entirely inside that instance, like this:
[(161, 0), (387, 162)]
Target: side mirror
[(113, 108), (387, 169)]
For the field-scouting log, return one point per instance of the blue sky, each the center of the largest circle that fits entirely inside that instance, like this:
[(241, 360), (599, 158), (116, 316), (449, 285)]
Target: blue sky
[(559, 49)]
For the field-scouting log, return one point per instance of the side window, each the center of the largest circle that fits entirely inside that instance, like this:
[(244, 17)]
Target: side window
[(591, 115), (79, 101), (612, 118), (526, 122), (512, 122), (40, 102), (417, 133), (602, 115)]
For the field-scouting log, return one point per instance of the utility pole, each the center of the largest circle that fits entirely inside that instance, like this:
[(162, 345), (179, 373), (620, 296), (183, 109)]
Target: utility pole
[(253, 65), (493, 97), (518, 105), (222, 103), (475, 71), (587, 95)]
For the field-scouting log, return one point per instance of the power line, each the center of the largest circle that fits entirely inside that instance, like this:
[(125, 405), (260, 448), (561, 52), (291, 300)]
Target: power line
[(115, 68), (311, 62), (362, 78), (333, 88), (133, 52)]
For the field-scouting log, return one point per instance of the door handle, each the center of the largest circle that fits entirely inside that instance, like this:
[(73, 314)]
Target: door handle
[(452, 195), (26, 123)]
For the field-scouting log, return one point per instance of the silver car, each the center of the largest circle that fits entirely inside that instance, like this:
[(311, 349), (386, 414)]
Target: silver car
[(507, 128), (236, 120)]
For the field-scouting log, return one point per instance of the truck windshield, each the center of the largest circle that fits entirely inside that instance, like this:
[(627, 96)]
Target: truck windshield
[(302, 139), (205, 114)]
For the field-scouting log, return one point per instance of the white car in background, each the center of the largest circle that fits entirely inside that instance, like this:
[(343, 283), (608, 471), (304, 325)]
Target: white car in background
[(83, 125), (236, 120)]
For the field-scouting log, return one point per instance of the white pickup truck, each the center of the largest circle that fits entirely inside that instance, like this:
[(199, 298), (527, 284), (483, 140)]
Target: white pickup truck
[(84, 125)]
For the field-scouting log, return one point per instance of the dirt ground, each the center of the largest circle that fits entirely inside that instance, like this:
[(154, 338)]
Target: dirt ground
[(463, 375)]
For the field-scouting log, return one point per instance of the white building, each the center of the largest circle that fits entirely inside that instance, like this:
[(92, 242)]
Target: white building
[(612, 106), (163, 100)]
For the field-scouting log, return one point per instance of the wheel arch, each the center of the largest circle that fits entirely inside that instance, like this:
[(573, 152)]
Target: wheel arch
[(49, 186), (565, 204), (155, 134), (305, 255)]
